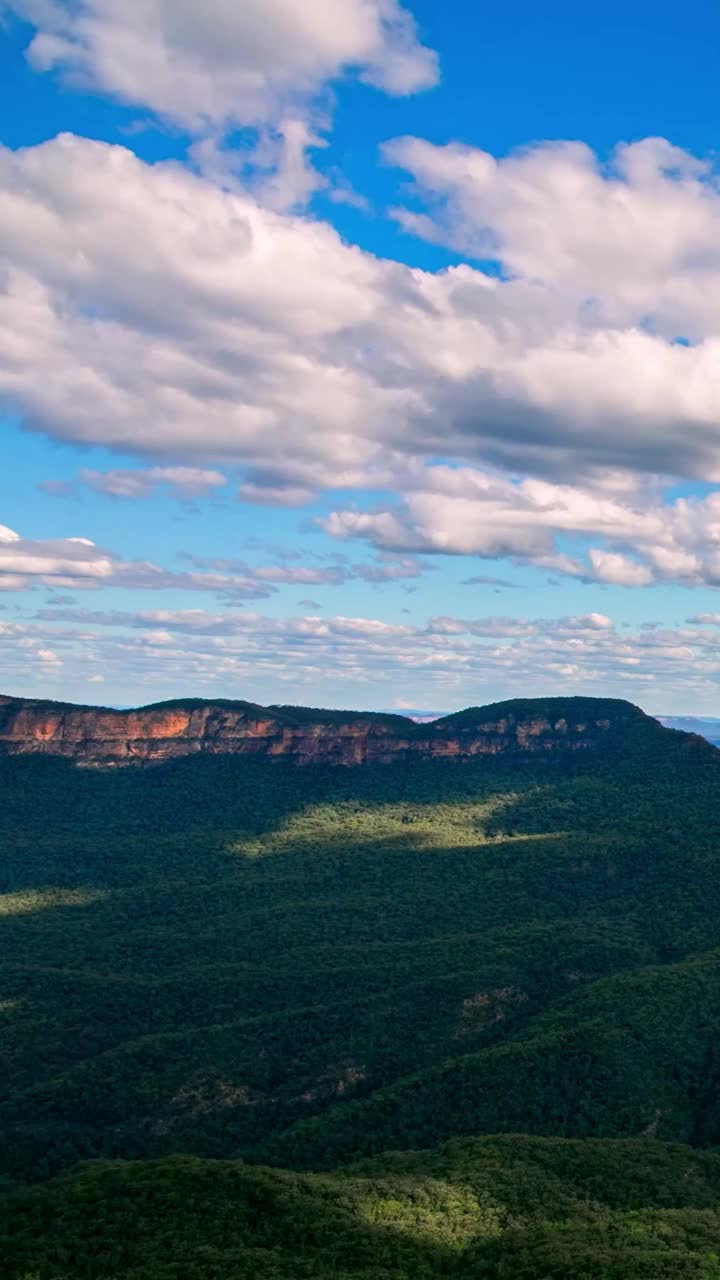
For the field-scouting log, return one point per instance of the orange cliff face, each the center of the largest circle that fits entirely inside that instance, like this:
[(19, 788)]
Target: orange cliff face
[(101, 736)]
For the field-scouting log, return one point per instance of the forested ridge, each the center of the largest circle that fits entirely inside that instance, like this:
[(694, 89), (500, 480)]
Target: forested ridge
[(166, 731), (230, 987)]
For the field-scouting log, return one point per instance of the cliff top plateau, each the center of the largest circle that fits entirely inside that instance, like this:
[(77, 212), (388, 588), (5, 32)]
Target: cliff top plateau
[(165, 730)]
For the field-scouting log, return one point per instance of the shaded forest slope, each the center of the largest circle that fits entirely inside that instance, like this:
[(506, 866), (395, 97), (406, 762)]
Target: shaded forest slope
[(228, 956)]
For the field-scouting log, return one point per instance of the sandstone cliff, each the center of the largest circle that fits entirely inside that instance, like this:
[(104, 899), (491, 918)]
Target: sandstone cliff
[(97, 735)]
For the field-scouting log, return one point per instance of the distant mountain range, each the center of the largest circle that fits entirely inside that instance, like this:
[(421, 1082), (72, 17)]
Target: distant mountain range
[(707, 726)]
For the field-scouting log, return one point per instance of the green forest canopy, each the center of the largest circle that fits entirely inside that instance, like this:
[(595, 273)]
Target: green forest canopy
[(221, 960)]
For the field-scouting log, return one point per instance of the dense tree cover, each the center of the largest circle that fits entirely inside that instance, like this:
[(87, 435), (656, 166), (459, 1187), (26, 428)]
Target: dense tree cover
[(304, 967), (496, 1208), (288, 715)]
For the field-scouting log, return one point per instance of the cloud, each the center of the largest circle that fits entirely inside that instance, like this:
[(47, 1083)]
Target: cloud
[(57, 488), (146, 576), (633, 239), (139, 313), (250, 82), (47, 655), (534, 406), (367, 660), (55, 561), (237, 580), (488, 580), (463, 511), (610, 566), (225, 63), (78, 563), (198, 349), (159, 621), (281, 495), (389, 570), (180, 482), (339, 571)]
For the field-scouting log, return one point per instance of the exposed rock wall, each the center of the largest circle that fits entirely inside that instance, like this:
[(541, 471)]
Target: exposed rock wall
[(92, 735)]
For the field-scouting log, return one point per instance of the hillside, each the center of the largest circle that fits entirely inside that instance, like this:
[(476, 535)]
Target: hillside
[(226, 957), (170, 730), (493, 1208)]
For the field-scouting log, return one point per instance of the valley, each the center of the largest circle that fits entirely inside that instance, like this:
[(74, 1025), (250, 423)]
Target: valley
[(232, 980)]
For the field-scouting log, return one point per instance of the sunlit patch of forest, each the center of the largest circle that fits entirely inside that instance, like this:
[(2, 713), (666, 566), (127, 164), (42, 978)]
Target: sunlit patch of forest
[(496, 1208)]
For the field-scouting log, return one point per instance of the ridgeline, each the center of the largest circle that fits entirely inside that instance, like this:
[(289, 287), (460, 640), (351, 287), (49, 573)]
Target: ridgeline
[(168, 730)]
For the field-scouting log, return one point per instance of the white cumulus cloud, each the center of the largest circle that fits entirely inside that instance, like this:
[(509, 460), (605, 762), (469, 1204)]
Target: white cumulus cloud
[(223, 61), (146, 309)]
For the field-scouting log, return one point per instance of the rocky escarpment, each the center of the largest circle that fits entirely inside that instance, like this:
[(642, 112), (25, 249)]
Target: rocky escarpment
[(164, 731)]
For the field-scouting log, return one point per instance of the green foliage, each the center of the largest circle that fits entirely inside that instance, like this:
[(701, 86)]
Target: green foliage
[(310, 967), (497, 1208), (287, 715)]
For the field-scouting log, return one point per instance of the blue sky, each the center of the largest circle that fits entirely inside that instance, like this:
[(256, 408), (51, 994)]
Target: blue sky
[(361, 355)]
